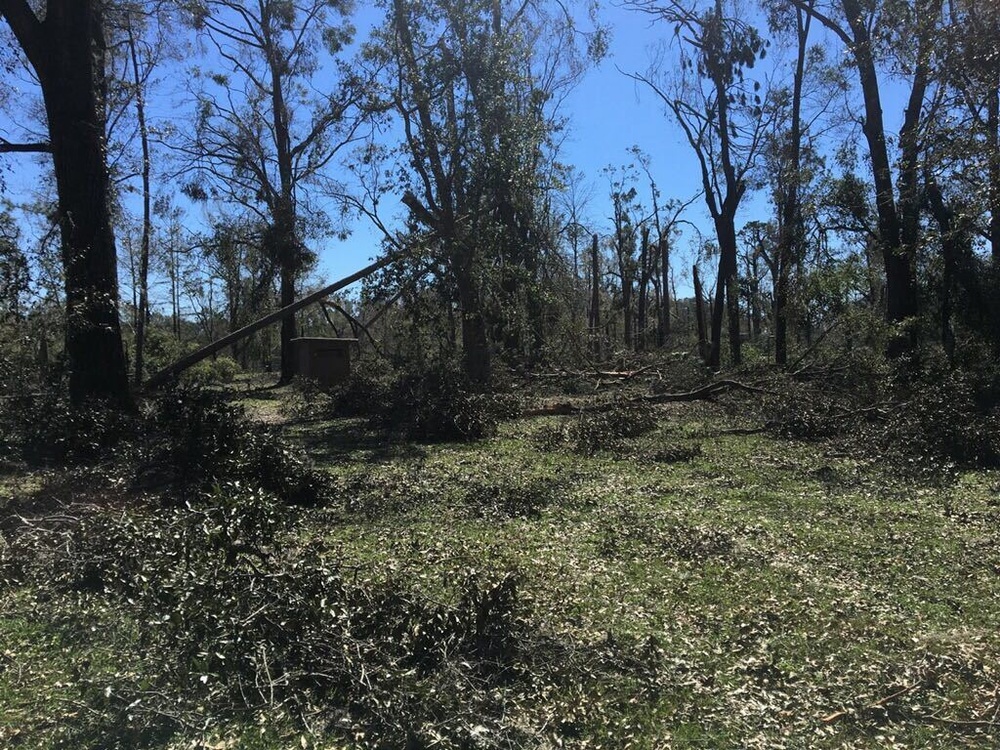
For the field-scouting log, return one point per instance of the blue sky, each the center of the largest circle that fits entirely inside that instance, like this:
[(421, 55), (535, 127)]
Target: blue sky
[(608, 113)]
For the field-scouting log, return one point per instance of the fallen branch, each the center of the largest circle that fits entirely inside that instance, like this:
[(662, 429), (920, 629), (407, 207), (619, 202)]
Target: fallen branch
[(619, 374), (880, 703), (705, 393)]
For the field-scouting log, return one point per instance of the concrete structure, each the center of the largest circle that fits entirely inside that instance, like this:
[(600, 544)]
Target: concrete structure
[(327, 361)]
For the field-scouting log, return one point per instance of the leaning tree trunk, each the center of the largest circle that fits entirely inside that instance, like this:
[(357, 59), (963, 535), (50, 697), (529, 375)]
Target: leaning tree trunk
[(72, 78)]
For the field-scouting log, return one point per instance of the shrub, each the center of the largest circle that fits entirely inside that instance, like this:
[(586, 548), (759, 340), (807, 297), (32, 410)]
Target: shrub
[(209, 371), (200, 439), (44, 429), (938, 417), (436, 405), (361, 395)]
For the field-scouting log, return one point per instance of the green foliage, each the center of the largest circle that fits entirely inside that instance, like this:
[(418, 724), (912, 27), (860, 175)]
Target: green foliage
[(199, 439), (43, 428), (770, 588), (238, 621), (805, 412), (225, 633), (206, 372), (436, 405), (941, 416), (364, 394), (594, 432), (628, 532), (497, 491), (923, 412)]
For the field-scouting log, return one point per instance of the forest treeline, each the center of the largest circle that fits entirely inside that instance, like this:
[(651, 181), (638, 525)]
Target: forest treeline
[(177, 213)]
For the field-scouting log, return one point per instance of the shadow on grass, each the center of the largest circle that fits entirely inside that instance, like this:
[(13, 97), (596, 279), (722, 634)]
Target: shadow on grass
[(334, 441)]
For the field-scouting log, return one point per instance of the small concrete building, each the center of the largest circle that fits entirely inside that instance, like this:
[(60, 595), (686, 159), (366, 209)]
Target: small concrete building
[(327, 361)]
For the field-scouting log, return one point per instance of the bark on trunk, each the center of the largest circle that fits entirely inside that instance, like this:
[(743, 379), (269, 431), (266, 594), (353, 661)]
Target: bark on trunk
[(993, 149), (901, 301), (640, 333), (699, 315), (475, 340), (665, 287), (595, 298), (71, 72), (142, 314)]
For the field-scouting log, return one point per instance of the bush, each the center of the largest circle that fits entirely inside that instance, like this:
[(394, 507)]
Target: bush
[(920, 409), (361, 395), (436, 405), (200, 439), (939, 417), (45, 429), (209, 371)]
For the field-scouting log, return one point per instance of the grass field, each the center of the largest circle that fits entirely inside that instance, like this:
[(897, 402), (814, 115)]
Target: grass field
[(694, 586)]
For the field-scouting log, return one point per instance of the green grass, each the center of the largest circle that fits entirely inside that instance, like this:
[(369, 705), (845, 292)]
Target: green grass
[(772, 594)]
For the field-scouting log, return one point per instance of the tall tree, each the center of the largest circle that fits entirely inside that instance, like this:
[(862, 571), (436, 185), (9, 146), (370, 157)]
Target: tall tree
[(14, 274), (722, 113), (66, 49), (475, 86), (909, 30), (970, 135), (787, 178), (627, 223), (264, 134), (139, 37)]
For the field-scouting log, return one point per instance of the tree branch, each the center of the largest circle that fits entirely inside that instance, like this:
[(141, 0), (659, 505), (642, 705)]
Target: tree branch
[(6, 147), (26, 27)]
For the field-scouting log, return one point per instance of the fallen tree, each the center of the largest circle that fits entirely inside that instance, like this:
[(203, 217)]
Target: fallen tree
[(176, 368), (704, 393)]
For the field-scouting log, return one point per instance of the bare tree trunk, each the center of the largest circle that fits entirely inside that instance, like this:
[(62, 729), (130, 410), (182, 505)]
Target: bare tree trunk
[(897, 250), (640, 337), (993, 149), (699, 315), (595, 298), (67, 51), (789, 238), (142, 314), (664, 331)]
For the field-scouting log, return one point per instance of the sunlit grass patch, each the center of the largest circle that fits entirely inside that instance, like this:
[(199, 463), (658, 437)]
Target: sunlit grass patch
[(754, 592)]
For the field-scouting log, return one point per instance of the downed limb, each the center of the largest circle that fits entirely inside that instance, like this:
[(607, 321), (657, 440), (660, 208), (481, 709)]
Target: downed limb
[(881, 703), (175, 368), (620, 374), (705, 393)]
